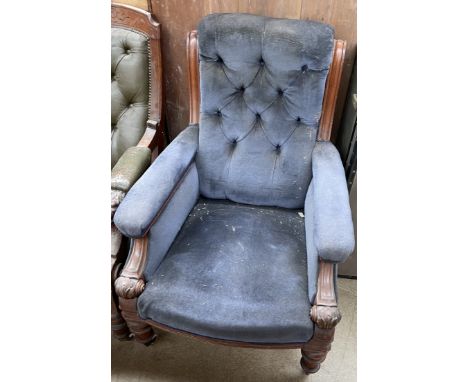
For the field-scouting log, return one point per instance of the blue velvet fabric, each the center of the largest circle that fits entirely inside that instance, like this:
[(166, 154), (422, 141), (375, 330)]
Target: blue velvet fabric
[(234, 272), (245, 272), (262, 82), (328, 215), (155, 188), (165, 229)]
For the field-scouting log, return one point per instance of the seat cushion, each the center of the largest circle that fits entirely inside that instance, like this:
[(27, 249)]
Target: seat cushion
[(234, 272)]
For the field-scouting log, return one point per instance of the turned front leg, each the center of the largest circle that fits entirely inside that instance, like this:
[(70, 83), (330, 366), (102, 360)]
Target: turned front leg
[(326, 315)]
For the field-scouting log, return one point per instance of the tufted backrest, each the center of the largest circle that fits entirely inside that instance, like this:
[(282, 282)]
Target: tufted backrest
[(130, 89), (262, 82)]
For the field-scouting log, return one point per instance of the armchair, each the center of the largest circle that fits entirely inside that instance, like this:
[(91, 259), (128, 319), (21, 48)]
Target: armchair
[(136, 119), (237, 242)]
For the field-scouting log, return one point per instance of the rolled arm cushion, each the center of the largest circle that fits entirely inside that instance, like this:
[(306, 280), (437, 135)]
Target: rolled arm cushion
[(153, 191), (131, 165), (327, 211)]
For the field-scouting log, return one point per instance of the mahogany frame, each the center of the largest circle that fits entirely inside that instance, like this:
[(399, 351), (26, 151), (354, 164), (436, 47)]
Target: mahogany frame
[(324, 311), (138, 20)]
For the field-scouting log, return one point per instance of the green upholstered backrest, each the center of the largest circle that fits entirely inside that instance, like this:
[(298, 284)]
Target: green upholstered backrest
[(130, 89)]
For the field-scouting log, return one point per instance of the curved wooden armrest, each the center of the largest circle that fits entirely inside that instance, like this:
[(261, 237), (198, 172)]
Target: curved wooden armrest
[(325, 312), (131, 282)]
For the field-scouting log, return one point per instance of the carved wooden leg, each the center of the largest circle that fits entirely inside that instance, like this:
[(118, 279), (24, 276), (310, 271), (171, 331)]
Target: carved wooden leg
[(315, 351), (326, 315), (118, 324), (143, 333), (128, 286)]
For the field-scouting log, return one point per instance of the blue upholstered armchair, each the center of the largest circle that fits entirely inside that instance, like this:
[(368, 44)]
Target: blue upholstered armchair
[(237, 227)]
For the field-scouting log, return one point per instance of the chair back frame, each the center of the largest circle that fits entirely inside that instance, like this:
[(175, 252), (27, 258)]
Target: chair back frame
[(138, 20)]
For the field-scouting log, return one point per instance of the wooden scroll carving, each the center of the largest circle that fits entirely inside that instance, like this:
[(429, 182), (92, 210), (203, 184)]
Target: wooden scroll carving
[(129, 285), (326, 315)]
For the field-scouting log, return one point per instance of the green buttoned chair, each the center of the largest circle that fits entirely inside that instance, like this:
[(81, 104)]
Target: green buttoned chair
[(136, 134)]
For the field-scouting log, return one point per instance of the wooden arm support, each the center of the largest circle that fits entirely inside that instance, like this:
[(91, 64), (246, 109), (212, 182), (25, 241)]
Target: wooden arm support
[(326, 315), (325, 312), (150, 136), (131, 283)]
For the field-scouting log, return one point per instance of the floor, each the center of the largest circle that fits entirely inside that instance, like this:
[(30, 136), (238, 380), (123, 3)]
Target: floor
[(175, 358)]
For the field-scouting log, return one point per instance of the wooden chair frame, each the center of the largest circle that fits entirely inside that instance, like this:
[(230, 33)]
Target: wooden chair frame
[(138, 20), (324, 312)]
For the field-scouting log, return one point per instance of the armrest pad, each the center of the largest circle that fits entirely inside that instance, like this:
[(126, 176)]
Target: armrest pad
[(327, 210), (131, 165), (150, 194)]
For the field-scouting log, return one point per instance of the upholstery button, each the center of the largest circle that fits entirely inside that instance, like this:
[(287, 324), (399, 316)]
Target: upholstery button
[(304, 68), (278, 147), (220, 60), (234, 141), (257, 115), (218, 113), (242, 88), (131, 105), (262, 62), (280, 92)]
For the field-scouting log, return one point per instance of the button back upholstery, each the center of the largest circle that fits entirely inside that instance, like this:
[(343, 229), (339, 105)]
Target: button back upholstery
[(129, 89), (244, 268), (262, 82)]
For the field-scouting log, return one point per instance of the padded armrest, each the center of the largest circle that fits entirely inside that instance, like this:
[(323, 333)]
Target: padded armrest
[(153, 191), (131, 165), (327, 212)]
